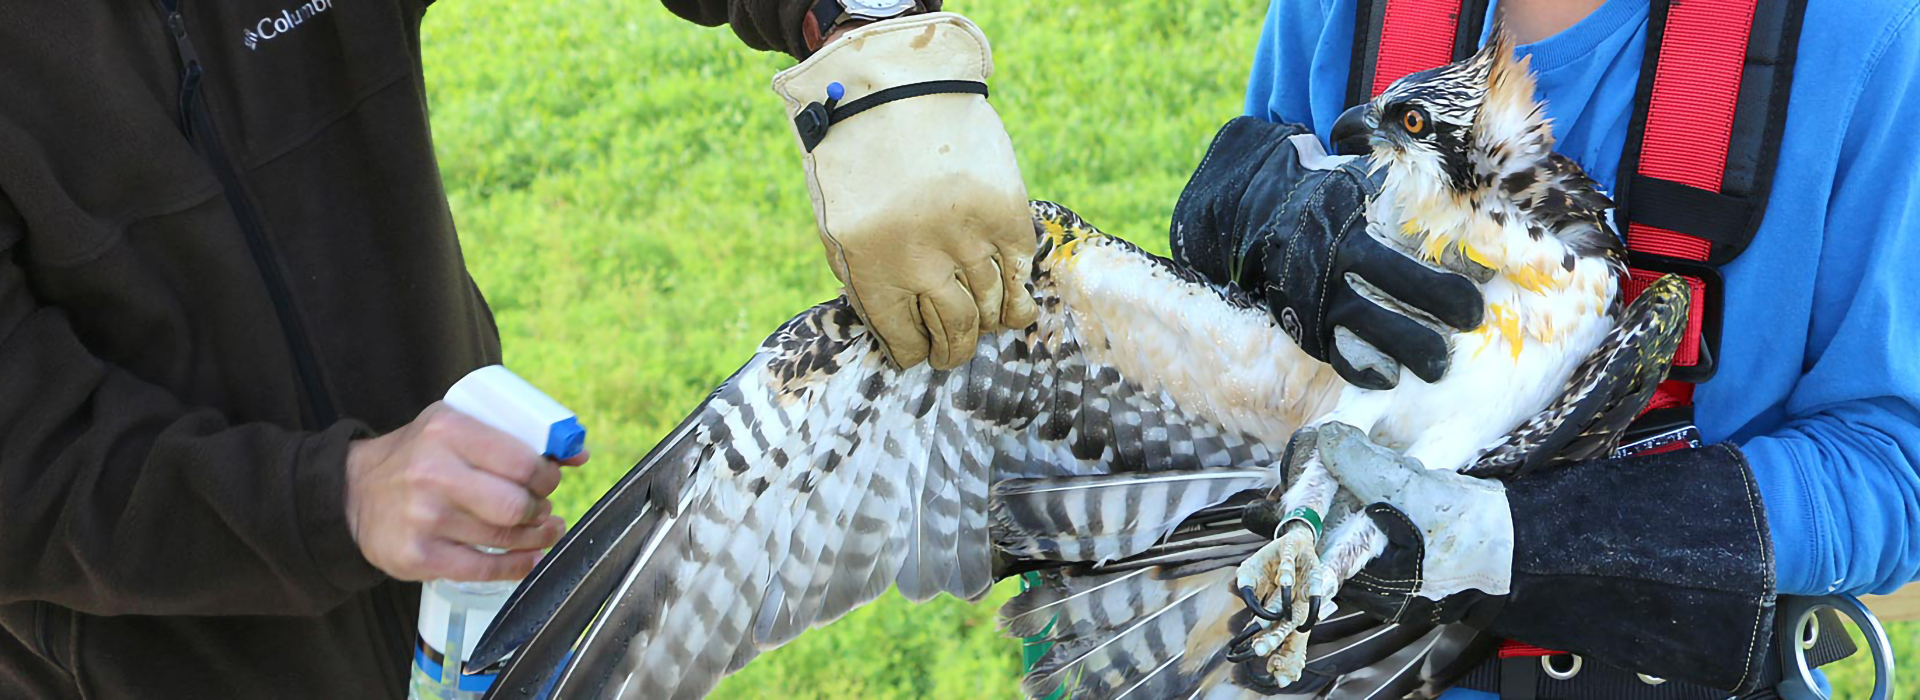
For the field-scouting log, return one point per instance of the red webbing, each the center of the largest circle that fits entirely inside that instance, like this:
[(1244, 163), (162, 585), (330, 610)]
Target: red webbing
[(1510, 649), (1690, 113), (1637, 281), (1696, 86), (1414, 35)]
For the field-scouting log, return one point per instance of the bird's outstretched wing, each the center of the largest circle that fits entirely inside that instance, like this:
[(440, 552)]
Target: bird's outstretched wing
[(1605, 393), (819, 475)]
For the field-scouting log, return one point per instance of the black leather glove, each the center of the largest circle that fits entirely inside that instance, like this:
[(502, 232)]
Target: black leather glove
[(1660, 564), (1255, 215)]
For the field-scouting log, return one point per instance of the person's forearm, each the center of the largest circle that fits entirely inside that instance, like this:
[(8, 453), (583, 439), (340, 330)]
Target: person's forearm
[(1671, 548), (1840, 490), (116, 498), (767, 25)]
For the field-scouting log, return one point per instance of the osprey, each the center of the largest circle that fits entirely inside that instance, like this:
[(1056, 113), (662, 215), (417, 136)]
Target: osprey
[(1112, 446)]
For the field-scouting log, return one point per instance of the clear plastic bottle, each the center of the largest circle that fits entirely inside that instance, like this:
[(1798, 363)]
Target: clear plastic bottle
[(453, 614)]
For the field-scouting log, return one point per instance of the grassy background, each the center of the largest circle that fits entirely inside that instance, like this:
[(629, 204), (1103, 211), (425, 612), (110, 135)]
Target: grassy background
[(631, 202)]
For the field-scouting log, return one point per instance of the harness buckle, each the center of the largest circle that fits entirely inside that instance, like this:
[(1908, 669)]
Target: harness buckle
[(1661, 430)]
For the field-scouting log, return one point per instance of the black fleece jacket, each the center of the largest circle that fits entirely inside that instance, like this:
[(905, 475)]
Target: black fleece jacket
[(768, 25), (224, 253)]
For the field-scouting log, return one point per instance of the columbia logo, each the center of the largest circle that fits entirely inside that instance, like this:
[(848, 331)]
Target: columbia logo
[(273, 26)]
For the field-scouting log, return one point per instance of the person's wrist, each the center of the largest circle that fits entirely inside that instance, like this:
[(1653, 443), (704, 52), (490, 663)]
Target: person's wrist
[(842, 28), (327, 511), (845, 27), (362, 454)]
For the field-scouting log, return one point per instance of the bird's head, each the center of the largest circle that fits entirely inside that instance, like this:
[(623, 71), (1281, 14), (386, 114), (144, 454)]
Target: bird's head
[(1457, 126)]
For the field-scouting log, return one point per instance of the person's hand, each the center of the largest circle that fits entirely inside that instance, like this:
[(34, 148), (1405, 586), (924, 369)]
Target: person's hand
[(420, 498), (1269, 211), (1449, 535), (918, 200)]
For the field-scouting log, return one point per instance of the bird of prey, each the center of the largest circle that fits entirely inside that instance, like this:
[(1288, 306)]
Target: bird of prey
[(1111, 445)]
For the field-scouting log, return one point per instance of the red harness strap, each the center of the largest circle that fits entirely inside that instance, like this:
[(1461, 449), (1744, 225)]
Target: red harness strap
[(1414, 35), (1696, 87)]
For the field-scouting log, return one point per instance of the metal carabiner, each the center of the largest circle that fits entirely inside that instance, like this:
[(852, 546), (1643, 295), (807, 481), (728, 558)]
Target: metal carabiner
[(1797, 614)]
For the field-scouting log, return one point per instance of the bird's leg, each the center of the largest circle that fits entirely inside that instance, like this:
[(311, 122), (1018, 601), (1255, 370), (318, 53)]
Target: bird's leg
[(1352, 543), (1271, 582), (1356, 541), (1271, 569)]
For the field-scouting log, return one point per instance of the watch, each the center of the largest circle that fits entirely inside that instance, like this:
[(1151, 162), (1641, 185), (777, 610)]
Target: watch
[(828, 15)]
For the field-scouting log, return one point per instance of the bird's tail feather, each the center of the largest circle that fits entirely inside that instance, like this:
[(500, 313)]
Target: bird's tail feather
[(1159, 621), (1401, 661), (1152, 625), (1131, 638)]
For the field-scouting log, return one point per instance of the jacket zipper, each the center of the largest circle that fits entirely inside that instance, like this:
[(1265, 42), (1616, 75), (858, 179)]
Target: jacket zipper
[(198, 128)]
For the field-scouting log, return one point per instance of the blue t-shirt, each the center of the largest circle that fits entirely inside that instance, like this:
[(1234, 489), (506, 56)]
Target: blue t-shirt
[(1819, 377)]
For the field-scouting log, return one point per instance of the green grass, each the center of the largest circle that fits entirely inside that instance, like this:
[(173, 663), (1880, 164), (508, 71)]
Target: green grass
[(631, 202)]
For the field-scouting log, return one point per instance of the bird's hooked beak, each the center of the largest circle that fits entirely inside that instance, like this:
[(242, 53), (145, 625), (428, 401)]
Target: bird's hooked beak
[(1352, 135)]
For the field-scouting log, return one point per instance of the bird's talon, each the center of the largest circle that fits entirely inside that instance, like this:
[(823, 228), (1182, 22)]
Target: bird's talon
[(1313, 615), (1238, 653), (1262, 681), (1241, 638), (1260, 610)]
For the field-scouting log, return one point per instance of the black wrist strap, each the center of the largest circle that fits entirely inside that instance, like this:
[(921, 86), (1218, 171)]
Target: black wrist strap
[(826, 13), (814, 121)]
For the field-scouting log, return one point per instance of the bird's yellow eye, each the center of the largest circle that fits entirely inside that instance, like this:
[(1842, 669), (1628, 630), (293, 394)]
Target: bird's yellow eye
[(1414, 120)]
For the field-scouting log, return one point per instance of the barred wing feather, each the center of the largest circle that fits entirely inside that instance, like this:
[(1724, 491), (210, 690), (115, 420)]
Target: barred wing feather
[(819, 474)]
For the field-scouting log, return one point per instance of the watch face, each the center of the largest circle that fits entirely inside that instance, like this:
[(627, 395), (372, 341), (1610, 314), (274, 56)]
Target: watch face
[(876, 8)]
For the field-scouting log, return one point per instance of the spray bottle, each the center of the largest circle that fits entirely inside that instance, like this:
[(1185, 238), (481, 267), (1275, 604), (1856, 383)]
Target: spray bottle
[(453, 614)]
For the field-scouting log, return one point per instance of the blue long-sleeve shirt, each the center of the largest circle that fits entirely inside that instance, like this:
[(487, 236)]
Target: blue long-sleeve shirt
[(1819, 377)]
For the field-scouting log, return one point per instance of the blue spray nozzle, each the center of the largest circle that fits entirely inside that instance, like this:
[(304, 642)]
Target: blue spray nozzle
[(566, 439)]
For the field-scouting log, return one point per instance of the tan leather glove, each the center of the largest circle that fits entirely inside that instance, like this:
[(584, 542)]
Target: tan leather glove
[(918, 200)]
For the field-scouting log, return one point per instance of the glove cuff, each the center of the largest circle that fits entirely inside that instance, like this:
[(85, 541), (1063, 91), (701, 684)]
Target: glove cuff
[(930, 47), (1207, 234), (1660, 564)]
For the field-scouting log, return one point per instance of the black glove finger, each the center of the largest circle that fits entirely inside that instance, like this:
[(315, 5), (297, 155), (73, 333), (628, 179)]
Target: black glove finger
[(1415, 346), (1449, 297)]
